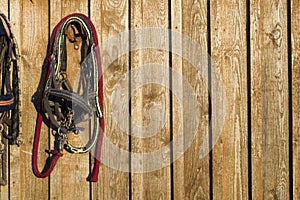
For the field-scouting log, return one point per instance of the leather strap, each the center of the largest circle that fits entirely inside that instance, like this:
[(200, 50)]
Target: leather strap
[(54, 95)]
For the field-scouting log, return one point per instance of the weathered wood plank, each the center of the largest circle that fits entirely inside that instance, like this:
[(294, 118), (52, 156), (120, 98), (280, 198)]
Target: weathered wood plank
[(4, 7), (111, 19), (30, 20), (191, 173), (269, 85), (230, 165), (296, 95), (150, 184), (4, 189), (68, 180), (178, 165)]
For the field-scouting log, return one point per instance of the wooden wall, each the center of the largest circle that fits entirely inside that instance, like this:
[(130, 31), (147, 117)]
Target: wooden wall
[(255, 46)]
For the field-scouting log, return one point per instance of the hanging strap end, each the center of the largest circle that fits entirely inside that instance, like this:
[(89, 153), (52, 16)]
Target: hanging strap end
[(54, 152)]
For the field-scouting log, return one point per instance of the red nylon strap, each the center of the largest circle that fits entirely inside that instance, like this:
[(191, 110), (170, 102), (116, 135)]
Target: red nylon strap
[(46, 172), (93, 177)]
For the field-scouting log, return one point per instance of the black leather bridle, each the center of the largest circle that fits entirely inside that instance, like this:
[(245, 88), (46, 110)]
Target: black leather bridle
[(9, 93), (64, 107)]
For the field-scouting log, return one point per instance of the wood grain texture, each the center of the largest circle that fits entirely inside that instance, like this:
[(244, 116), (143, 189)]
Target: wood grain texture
[(296, 96), (72, 169), (269, 89), (150, 105), (4, 7), (30, 20), (4, 189), (111, 19), (230, 166), (178, 166), (191, 173)]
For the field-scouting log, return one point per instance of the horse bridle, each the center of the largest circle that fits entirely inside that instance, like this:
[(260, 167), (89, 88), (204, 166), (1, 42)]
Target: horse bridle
[(65, 108), (9, 96)]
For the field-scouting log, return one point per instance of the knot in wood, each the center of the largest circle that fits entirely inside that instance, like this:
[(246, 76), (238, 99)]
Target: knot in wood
[(276, 35)]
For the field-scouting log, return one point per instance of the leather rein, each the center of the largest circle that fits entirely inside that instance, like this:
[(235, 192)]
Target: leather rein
[(65, 108)]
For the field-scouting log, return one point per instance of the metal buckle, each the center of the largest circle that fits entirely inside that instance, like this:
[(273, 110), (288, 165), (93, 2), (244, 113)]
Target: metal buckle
[(60, 140)]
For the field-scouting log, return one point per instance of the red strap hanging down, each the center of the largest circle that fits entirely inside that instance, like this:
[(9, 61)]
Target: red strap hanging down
[(51, 162)]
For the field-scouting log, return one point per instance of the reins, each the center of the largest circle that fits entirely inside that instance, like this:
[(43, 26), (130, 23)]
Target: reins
[(66, 108)]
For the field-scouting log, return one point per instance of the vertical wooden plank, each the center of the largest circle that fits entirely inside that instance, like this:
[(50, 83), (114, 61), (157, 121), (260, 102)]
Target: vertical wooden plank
[(68, 180), (269, 84), (30, 20), (295, 20), (230, 164), (148, 184), (111, 19), (4, 189), (4, 7), (178, 166), (191, 173)]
